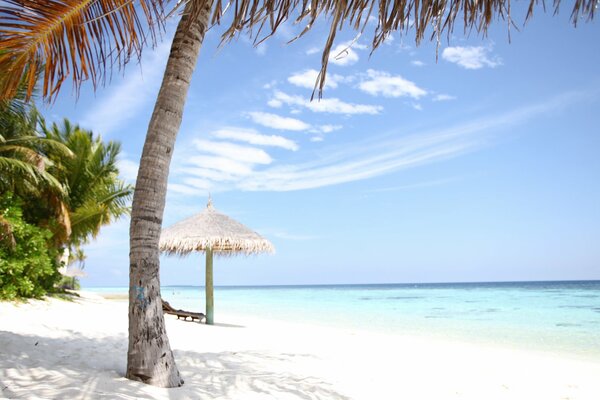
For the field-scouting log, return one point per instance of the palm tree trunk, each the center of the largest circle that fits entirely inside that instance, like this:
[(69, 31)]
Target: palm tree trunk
[(149, 357)]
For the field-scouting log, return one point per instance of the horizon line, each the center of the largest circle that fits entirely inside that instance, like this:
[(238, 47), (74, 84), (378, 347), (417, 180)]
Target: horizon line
[(371, 284)]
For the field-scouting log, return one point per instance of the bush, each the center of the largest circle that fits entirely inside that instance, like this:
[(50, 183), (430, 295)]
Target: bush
[(28, 265)]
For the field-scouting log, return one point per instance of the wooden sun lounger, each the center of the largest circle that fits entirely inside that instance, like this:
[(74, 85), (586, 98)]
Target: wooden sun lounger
[(168, 309)]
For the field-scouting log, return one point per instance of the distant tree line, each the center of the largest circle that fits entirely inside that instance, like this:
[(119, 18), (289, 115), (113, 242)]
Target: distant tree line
[(59, 185)]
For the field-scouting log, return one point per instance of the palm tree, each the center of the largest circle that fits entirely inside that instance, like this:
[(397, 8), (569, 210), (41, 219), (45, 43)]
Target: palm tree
[(35, 32), (95, 196), (23, 158)]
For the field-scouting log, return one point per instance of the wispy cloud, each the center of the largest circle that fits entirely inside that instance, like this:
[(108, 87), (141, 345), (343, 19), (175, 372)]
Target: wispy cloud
[(227, 165), (372, 161), (329, 105), (244, 154), (443, 97), (329, 128), (471, 57), (373, 157), (387, 85), (417, 63), (253, 137), (278, 122), (321, 130), (129, 97)]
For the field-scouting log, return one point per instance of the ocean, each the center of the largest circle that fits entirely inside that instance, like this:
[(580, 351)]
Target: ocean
[(562, 317)]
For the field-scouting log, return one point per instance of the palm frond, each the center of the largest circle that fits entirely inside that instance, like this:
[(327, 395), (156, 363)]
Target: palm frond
[(16, 167), (27, 154), (82, 38), (420, 16), (107, 205)]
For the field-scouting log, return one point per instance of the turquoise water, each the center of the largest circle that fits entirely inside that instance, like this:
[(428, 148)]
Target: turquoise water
[(558, 316)]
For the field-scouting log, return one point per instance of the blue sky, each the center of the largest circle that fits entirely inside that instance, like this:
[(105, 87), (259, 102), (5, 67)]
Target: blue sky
[(480, 166)]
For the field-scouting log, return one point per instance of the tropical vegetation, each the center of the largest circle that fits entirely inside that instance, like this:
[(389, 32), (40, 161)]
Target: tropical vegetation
[(59, 185), (105, 33)]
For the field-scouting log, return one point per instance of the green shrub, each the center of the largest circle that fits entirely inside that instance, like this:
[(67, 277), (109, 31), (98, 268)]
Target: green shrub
[(28, 265)]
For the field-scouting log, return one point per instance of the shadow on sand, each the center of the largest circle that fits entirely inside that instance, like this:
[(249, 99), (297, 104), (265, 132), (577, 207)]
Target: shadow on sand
[(79, 367)]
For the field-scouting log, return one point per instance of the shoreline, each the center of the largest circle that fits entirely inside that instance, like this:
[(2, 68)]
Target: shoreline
[(506, 343), (77, 349)]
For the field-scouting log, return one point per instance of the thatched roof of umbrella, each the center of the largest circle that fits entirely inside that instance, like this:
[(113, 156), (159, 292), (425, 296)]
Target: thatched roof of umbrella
[(214, 230), (214, 233)]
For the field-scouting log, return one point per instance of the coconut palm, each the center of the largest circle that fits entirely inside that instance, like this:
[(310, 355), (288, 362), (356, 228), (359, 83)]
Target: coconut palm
[(95, 196), (35, 33), (23, 152), (23, 155)]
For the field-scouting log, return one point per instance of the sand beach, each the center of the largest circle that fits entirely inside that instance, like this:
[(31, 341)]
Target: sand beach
[(56, 349)]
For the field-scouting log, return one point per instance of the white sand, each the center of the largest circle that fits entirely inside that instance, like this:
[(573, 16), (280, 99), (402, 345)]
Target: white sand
[(77, 350)]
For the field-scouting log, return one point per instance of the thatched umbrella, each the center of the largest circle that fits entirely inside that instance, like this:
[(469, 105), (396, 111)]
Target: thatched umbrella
[(214, 233)]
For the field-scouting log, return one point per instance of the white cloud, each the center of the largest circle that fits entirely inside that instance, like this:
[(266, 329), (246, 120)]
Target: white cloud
[(187, 190), (329, 128), (470, 57), (313, 50), (443, 97), (377, 156), (417, 107), (210, 174), (253, 137), (234, 151), (357, 164), (223, 164), (130, 96), (278, 122), (379, 82), (316, 139), (343, 54), (328, 105), (274, 103), (308, 78), (417, 63), (195, 183)]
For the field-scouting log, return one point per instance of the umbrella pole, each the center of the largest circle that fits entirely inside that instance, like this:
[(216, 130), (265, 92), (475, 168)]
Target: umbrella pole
[(210, 304)]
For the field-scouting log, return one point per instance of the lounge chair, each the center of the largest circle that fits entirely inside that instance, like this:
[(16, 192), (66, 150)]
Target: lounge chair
[(168, 309)]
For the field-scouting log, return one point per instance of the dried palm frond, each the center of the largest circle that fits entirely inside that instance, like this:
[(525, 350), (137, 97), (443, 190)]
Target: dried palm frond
[(86, 38), (213, 230), (82, 38), (437, 16)]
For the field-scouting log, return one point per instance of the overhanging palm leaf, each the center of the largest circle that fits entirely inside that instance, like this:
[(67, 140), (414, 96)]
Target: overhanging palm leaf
[(84, 38), (437, 16)]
